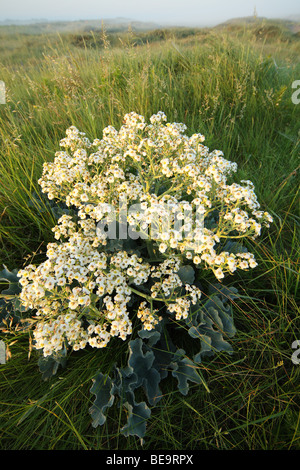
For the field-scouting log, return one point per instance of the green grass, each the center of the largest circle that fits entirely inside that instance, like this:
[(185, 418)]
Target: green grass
[(226, 85)]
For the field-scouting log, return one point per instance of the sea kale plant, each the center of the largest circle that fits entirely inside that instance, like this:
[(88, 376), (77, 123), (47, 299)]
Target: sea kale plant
[(152, 227)]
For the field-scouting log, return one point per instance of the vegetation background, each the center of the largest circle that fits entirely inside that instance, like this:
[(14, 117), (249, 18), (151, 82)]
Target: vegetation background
[(232, 83)]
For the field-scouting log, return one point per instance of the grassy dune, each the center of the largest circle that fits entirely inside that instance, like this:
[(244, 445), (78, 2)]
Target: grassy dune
[(232, 84)]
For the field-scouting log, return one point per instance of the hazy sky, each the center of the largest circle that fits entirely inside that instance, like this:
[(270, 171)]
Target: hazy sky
[(161, 11)]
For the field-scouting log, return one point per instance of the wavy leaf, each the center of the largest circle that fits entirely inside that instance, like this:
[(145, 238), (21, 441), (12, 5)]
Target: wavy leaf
[(184, 370), (49, 365), (138, 414), (186, 274), (12, 278), (141, 363), (103, 389)]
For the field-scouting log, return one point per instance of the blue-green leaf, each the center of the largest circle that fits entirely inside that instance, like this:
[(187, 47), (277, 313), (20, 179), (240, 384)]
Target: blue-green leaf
[(138, 414), (187, 274), (211, 340), (103, 389), (153, 336), (12, 278), (49, 365), (234, 247), (141, 363), (225, 293), (185, 370)]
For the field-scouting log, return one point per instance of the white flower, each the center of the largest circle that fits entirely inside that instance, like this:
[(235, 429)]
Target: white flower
[(219, 273)]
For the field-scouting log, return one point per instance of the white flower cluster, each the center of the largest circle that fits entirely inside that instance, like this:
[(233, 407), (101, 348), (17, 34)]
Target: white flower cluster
[(81, 293), (169, 280), (51, 336), (47, 289), (168, 173), (148, 318)]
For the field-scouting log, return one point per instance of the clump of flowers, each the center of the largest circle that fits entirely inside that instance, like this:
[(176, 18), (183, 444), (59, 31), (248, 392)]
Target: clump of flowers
[(82, 292)]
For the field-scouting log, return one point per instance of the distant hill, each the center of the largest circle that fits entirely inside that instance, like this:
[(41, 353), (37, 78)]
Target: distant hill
[(44, 26), (271, 27), (9, 21), (243, 20), (295, 18), (291, 24)]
